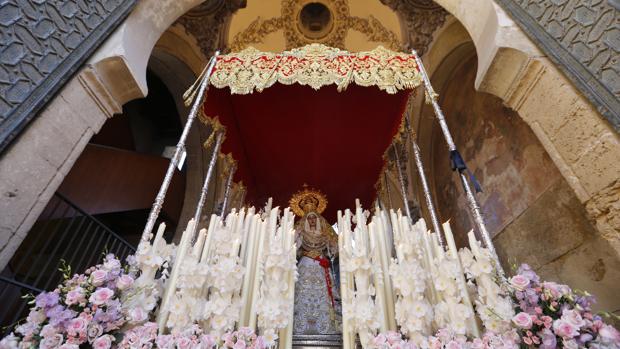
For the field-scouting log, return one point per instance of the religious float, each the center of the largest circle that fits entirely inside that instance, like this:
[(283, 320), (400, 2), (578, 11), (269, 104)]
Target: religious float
[(286, 278)]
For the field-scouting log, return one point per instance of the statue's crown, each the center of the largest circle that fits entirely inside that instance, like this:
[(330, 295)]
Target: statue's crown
[(308, 200)]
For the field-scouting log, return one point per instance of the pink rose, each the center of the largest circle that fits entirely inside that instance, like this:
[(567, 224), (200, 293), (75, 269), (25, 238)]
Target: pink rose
[(453, 345), (573, 317), (51, 341), (69, 346), (184, 343), (124, 282), (379, 340), (101, 296), (98, 277), (103, 342), (112, 264), (207, 341), (608, 335), (164, 341), (519, 282), (394, 337), (570, 344), (75, 296), (239, 345), (523, 320), (77, 326), (94, 331), (565, 329), (137, 315), (48, 331)]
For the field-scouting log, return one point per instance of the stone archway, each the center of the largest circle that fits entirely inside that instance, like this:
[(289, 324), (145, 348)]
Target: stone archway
[(529, 207)]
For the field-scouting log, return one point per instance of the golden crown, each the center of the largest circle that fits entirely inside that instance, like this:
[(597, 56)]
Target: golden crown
[(308, 200)]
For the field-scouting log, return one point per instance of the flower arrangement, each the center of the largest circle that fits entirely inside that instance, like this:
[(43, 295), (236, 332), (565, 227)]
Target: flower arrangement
[(84, 309), (146, 336), (446, 339), (550, 315)]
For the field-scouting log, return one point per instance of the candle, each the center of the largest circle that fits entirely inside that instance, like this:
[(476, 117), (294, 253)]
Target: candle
[(158, 237), (210, 232), (174, 275), (197, 249), (473, 244), (473, 326), (235, 248)]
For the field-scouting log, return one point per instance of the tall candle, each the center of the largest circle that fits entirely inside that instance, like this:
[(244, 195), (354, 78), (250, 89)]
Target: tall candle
[(461, 278), (210, 232), (197, 249), (158, 237), (473, 243)]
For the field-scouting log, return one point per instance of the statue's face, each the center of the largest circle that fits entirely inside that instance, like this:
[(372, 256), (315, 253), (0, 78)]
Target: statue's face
[(312, 221)]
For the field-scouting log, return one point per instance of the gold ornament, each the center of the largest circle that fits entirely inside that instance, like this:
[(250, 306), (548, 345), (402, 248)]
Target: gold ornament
[(316, 65), (308, 200)]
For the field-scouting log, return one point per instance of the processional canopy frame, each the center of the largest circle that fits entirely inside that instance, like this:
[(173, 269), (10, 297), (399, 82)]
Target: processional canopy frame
[(336, 110)]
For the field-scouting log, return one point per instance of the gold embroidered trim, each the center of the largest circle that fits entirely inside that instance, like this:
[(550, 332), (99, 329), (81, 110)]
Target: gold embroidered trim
[(316, 65)]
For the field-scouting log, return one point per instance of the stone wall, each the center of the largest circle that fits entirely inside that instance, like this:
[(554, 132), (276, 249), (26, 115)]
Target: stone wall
[(529, 207)]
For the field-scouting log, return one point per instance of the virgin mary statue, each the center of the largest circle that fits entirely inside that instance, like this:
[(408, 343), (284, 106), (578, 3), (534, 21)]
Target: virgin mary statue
[(316, 310)]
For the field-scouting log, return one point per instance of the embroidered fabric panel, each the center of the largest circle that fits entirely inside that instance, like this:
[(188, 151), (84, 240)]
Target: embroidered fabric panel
[(316, 66), (312, 304)]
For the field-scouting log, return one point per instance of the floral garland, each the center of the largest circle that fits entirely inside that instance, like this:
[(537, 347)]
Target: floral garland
[(84, 309), (548, 316)]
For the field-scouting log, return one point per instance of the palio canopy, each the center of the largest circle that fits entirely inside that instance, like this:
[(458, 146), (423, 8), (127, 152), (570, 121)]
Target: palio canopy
[(315, 115)]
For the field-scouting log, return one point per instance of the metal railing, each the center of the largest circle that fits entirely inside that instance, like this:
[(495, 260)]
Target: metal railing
[(63, 232)]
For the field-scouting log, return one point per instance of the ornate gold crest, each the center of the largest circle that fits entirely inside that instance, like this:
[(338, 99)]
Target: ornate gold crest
[(308, 200)]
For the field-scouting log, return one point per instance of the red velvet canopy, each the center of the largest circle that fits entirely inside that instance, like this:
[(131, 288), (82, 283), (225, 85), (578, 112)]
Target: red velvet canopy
[(290, 135)]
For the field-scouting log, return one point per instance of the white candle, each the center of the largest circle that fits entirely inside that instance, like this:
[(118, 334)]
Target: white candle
[(158, 237), (197, 249), (210, 232), (473, 326), (235, 248), (473, 243)]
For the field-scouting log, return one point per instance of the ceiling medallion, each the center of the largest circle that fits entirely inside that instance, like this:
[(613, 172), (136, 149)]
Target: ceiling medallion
[(315, 21)]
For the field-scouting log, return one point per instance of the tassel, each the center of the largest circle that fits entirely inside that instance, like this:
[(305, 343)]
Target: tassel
[(458, 164)]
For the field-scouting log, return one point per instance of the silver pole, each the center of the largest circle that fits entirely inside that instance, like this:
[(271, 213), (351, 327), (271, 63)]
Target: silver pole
[(205, 186), (427, 192), (471, 199), (227, 191), (401, 179), (180, 148)]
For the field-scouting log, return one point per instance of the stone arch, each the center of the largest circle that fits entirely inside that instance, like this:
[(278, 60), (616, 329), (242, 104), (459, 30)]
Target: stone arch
[(530, 207)]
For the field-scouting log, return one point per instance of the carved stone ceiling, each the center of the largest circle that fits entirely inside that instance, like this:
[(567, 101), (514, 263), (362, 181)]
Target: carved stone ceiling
[(208, 23), (420, 19)]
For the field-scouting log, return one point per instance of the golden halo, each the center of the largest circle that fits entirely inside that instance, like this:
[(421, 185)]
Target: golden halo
[(299, 200)]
